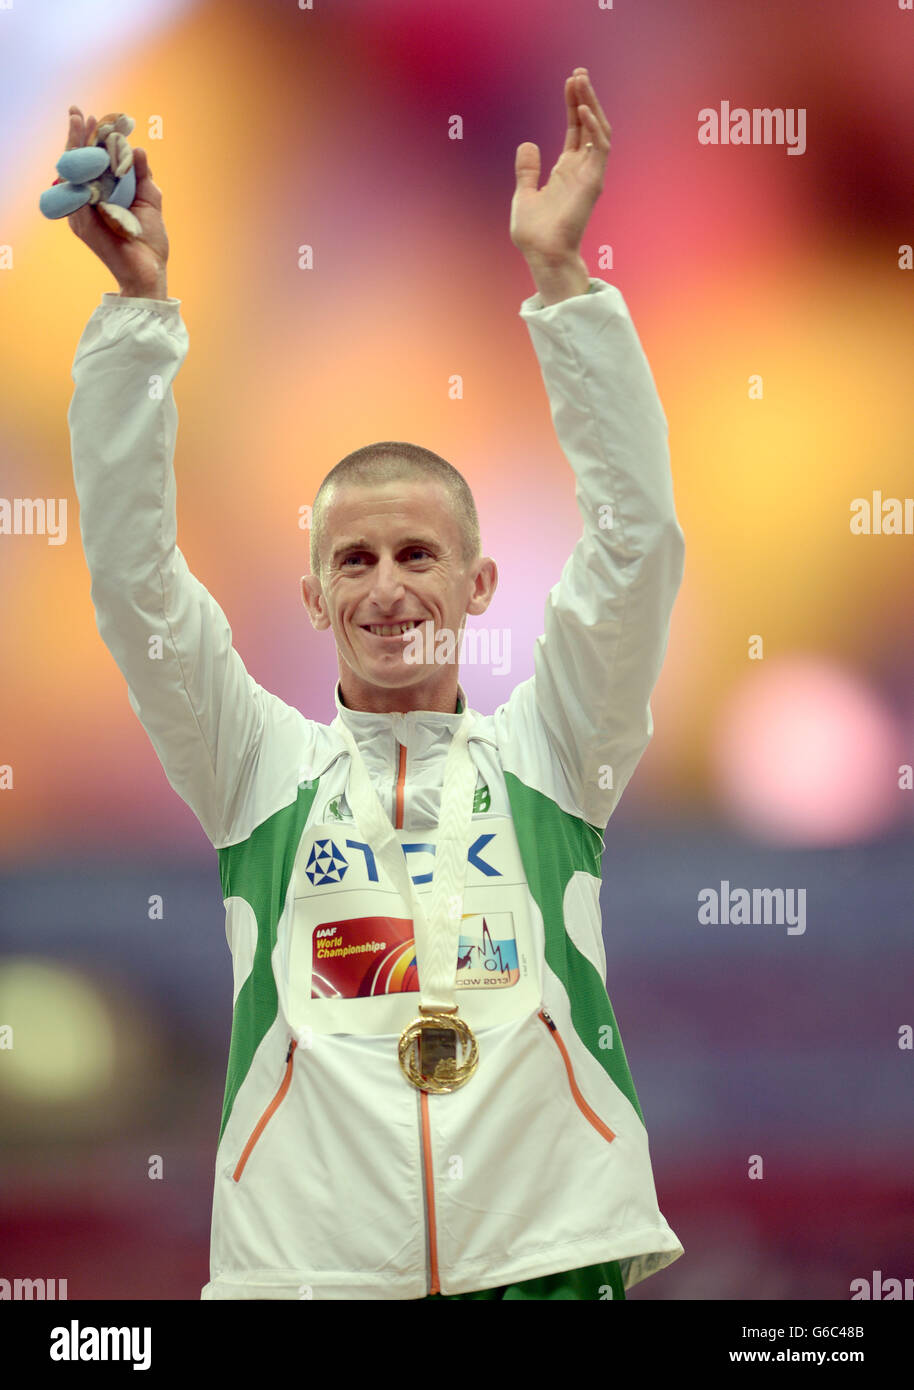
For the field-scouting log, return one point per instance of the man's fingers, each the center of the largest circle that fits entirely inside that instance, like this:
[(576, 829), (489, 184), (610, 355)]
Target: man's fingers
[(80, 222), (573, 132), (76, 129), (146, 188), (80, 131), (588, 97), (527, 165)]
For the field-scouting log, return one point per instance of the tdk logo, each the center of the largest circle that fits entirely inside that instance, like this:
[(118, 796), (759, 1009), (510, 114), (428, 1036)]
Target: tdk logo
[(327, 863)]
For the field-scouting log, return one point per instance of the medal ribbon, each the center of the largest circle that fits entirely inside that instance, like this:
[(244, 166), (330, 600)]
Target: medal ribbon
[(436, 934)]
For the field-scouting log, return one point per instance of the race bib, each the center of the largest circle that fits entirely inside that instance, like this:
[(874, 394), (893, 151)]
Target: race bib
[(352, 958)]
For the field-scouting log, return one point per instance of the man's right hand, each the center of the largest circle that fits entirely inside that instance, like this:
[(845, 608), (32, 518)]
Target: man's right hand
[(138, 266)]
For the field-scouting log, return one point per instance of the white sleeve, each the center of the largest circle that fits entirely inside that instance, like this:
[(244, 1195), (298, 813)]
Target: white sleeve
[(585, 716), (203, 712)]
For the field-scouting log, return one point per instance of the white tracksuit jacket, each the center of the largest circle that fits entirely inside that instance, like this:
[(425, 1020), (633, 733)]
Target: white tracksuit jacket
[(334, 1177)]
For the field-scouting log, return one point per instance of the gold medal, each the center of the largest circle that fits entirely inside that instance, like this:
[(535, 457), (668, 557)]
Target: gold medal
[(437, 1051), (447, 1052)]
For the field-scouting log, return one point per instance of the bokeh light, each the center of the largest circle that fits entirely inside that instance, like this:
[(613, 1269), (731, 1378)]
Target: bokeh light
[(806, 754), (62, 1042)]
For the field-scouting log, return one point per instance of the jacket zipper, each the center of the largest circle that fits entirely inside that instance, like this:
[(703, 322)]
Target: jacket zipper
[(581, 1103), (432, 1279), (265, 1117), (428, 1193)]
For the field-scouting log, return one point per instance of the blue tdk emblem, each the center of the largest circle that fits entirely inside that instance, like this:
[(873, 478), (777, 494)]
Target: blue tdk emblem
[(325, 863)]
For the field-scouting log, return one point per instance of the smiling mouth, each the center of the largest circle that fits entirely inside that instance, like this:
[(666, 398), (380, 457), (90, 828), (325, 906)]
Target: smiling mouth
[(391, 629)]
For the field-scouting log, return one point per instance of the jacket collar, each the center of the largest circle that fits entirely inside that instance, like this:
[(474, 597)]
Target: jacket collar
[(364, 723)]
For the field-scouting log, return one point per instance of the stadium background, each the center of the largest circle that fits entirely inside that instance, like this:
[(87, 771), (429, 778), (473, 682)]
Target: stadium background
[(329, 127)]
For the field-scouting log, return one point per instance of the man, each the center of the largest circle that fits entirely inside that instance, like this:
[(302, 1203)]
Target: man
[(427, 1094)]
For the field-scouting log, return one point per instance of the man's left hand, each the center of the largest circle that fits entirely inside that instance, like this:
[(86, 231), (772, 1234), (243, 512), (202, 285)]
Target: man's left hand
[(547, 224)]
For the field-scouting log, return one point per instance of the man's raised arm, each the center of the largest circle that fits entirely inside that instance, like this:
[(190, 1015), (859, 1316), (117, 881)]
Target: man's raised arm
[(170, 639), (607, 620)]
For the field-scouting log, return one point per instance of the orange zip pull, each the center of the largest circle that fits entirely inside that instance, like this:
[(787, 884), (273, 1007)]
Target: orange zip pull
[(267, 1114), (581, 1103)]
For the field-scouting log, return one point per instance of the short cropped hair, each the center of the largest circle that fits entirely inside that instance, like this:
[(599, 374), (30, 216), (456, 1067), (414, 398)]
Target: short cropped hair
[(393, 461)]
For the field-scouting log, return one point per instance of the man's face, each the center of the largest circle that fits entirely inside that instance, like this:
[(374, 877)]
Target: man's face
[(392, 554)]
